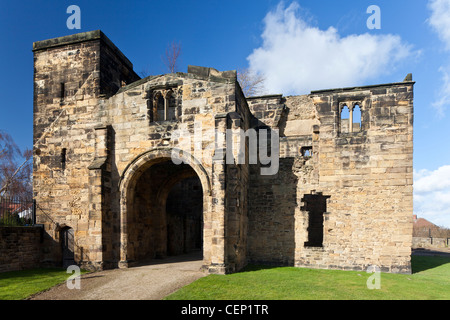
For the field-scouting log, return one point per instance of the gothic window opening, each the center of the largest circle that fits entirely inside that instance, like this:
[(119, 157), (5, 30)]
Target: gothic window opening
[(345, 116), (357, 118), (350, 117), (163, 106), (160, 108), (171, 105)]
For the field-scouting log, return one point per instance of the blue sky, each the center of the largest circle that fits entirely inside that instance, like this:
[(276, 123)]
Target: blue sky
[(270, 37)]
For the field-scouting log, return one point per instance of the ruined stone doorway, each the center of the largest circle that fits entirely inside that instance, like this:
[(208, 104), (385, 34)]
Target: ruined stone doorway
[(164, 212), (67, 247)]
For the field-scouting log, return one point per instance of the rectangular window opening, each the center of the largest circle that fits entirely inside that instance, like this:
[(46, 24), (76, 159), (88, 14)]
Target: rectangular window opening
[(63, 158), (62, 92), (316, 206)]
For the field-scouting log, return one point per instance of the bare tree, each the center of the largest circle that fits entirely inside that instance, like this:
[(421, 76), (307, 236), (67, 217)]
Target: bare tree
[(145, 72), (15, 168), (252, 83), (171, 58)]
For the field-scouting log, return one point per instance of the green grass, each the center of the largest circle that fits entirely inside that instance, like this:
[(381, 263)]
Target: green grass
[(430, 281), (18, 285)]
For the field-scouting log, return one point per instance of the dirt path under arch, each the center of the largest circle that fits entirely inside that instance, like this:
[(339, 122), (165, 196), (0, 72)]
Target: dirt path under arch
[(152, 281)]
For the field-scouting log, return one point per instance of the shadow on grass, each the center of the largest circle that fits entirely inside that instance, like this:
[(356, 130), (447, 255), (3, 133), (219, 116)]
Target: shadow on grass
[(259, 267), (421, 263)]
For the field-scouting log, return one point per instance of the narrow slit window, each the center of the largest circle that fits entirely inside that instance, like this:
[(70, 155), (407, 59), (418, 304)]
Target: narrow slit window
[(63, 158), (62, 91)]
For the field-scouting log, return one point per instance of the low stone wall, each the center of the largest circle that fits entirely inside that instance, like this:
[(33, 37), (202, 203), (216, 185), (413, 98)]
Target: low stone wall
[(430, 243), (20, 248)]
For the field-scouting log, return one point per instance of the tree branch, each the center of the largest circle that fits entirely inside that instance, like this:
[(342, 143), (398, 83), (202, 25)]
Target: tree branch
[(5, 187)]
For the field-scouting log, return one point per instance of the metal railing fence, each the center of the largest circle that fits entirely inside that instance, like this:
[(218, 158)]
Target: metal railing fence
[(17, 212)]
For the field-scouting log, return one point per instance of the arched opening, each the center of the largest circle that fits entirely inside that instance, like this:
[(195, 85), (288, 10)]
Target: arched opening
[(160, 116), (345, 116), (171, 105), (163, 211), (356, 118)]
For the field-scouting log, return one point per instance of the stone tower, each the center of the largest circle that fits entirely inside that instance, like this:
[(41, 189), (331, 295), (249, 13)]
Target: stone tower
[(72, 75)]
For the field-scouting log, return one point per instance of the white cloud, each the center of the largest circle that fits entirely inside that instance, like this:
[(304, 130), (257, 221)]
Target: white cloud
[(444, 93), (432, 195), (440, 19), (440, 22), (296, 57)]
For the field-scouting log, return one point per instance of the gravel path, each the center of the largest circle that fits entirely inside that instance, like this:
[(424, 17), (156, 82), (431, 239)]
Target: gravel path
[(153, 281)]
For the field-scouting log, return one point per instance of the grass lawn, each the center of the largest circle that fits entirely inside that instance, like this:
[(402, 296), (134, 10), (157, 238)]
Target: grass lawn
[(430, 281), (18, 285)]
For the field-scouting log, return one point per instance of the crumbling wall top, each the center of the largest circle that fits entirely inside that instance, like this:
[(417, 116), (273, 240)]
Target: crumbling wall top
[(81, 37)]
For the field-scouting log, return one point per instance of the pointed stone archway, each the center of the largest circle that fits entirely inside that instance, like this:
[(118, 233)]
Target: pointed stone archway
[(164, 207)]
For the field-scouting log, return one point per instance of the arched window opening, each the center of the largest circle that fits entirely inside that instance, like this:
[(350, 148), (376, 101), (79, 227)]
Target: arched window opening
[(163, 106), (171, 105), (350, 117), (345, 116), (160, 107), (357, 121)]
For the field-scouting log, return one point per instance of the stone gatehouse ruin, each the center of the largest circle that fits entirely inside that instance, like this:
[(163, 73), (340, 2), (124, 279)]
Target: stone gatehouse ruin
[(110, 194)]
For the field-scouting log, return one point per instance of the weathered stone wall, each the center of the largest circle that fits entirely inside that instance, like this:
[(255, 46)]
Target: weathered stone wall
[(430, 243), (20, 248), (272, 205), (366, 176), (275, 202)]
